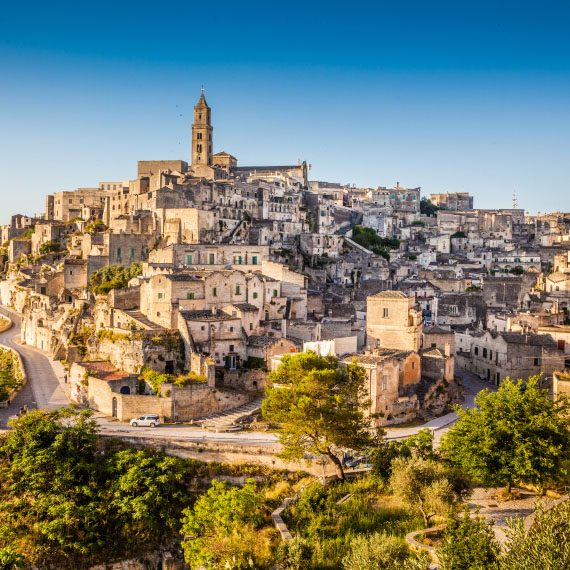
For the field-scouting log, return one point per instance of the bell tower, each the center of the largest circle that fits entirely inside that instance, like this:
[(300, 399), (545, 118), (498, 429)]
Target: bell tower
[(202, 133)]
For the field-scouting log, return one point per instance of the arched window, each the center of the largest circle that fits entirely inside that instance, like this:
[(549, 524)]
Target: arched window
[(198, 148), (199, 136)]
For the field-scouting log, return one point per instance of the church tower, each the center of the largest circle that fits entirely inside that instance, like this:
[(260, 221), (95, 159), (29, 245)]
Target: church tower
[(202, 134)]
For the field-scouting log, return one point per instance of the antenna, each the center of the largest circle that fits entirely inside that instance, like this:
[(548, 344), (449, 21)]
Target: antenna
[(515, 201)]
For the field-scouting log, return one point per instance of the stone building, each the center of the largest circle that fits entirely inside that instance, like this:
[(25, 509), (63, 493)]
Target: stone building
[(389, 375), (494, 356), (393, 321)]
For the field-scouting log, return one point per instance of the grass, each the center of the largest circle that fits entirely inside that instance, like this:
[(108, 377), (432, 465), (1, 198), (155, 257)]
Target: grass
[(10, 375), (330, 526)]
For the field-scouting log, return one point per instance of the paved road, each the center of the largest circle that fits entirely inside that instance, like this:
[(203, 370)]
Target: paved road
[(46, 389), (43, 389)]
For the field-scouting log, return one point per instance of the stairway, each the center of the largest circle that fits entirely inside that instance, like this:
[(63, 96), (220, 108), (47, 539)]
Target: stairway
[(230, 420)]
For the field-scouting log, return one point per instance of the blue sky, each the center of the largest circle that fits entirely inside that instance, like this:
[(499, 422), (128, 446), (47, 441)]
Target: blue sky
[(451, 96)]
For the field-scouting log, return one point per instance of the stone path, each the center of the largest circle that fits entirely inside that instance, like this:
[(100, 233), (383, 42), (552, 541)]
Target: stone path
[(498, 512)]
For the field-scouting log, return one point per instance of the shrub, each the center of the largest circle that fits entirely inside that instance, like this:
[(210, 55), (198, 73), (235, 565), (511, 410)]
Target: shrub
[(468, 544)]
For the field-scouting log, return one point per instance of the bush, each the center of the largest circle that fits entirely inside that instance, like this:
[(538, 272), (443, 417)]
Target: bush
[(50, 247), (544, 545), (113, 277), (468, 544)]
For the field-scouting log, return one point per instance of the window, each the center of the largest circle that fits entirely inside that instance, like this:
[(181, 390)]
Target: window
[(254, 295), (250, 326), (189, 295), (238, 290), (198, 148), (385, 312), (214, 292), (231, 347), (203, 328), (132, 252), (157, 314), (189, 259), (160, 295), (275, 292), (237, 259), (537, 361), (476, 351), (385, 382), (484, 353), (413, 365), (212, 258), (231, 329), (490, 355), (199, 136), (118, 253)]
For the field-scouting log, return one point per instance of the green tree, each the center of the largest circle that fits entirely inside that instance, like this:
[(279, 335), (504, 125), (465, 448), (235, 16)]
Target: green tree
[(468, 544), (425, 485), (544, 545), (222, 529), (318, 404), (419, 445), (113, 277), (518, 433), (427, 207), (146, 494)]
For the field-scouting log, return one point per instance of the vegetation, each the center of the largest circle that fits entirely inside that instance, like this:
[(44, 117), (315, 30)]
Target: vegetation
[(468, 544), (63, 502), (50, 247), (328, 524), (369, 238), (156, 379), (472, 288), (544, 545), (95, 226), (458, 234), (10, 373), (380, 551), (317, 405), (113, 277), (518, 433), (428, 208), (418, 445), (224, 529), (426, 485)]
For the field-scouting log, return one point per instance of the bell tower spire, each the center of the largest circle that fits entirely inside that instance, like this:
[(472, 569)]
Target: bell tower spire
[(202, 133)]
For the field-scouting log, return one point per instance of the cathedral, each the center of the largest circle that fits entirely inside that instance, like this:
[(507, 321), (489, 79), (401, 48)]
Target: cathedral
[(223, 165)]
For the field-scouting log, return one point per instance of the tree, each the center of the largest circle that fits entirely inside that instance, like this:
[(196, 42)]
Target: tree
[(425, 485), (427, 207), (544, 545), (222, 529), (318, 406), (419, 445), (468, 544), (380, 551), (515, 434), (113, 277)]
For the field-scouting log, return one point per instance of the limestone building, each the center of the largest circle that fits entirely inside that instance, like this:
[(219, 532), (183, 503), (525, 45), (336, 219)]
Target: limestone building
[(393, 321)]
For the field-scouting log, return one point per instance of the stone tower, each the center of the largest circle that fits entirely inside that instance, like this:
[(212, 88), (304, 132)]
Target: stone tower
[(202, 134), (393, 321)]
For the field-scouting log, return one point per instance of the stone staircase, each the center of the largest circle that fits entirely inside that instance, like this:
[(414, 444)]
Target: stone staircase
[(230, 420)]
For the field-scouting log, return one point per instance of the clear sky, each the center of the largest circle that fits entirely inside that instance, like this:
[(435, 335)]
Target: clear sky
[(448, 95)]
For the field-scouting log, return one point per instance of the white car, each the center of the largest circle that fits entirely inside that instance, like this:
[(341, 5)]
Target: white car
[(148, 420)]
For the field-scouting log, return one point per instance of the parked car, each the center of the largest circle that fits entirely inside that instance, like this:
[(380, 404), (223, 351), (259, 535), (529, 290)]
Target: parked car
[(148, 420)]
